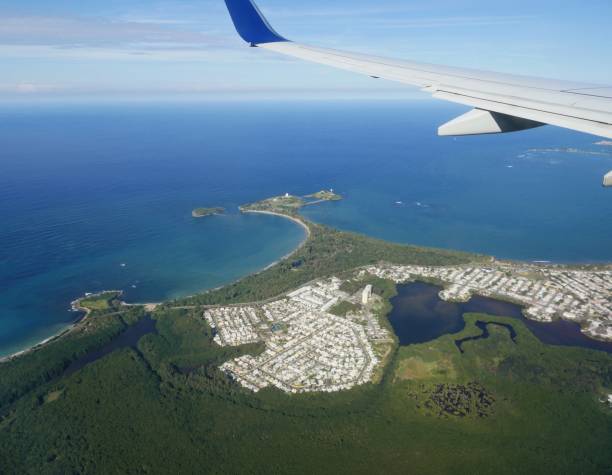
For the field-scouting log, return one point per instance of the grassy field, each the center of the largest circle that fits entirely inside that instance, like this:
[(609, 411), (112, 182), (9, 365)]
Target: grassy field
[(103, 301), (325, 195)]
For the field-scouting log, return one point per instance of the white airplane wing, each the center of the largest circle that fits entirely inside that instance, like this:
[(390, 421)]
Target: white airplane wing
[(501, 102)]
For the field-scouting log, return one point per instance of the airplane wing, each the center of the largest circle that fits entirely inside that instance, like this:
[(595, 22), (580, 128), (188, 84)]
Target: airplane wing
[(501, 102)]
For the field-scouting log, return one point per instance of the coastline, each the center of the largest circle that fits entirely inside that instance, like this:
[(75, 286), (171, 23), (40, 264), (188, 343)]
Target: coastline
[(76, 307), (84, 311), (38, 345)]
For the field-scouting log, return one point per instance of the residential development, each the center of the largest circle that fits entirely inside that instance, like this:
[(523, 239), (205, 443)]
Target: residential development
[(307, 348), (546, 292), (311, 347)]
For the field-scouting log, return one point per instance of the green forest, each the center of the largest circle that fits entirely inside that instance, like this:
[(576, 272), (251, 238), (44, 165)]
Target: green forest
[(164, 407)]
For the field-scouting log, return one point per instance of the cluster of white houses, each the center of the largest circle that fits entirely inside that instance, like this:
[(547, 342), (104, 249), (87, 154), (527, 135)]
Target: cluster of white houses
[(306, 348), (546, 292), (235, 325)]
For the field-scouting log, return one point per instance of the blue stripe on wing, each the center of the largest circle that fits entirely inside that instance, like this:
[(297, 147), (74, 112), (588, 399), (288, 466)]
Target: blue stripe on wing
[(251, 25)]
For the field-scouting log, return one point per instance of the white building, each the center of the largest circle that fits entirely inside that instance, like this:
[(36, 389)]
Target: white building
[(366, 294)]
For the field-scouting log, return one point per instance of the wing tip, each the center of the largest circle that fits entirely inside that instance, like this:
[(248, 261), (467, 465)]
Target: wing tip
[(250, 23)]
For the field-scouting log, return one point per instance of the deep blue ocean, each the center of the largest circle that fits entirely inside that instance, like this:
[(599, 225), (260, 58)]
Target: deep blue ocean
[(99, 196)]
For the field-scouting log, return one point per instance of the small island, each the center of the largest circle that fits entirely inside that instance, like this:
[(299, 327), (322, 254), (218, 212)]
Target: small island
[(202, 212)]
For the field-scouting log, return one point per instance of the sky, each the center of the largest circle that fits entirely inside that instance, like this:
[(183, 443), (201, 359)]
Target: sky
[(139, 48)]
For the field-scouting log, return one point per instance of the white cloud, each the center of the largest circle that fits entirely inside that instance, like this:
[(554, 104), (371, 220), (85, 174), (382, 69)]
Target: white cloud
[(102, 39), (29, 88), (133, 52), (365, 12), (456, 21), (96, 32)]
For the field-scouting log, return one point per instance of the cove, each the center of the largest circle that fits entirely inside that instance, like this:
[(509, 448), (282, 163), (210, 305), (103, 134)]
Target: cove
[(419, 315)]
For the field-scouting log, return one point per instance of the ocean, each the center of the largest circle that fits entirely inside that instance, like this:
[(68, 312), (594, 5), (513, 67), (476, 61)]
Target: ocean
[(99, 196)]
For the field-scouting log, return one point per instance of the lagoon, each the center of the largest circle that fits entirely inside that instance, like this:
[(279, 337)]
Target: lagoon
[(419, 316)]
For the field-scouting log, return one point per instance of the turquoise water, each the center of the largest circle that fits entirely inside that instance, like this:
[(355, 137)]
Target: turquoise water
[(86, 188)]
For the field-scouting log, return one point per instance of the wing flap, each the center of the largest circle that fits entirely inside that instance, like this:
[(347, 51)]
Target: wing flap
[(479, 121), (503, 106)]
